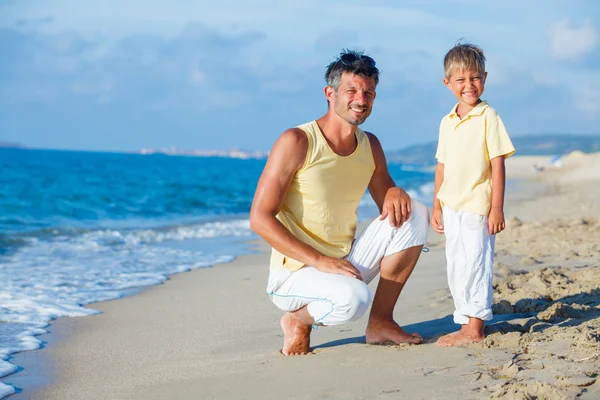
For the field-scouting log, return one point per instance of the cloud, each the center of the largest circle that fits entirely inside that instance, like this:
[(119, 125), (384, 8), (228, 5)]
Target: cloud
[(86, 90), (243, 72), (35, 22), (333, 41), (568, 42), (197, 77), (136, 68)]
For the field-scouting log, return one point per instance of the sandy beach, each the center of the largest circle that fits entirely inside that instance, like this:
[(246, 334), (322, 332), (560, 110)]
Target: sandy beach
[(214, 334)]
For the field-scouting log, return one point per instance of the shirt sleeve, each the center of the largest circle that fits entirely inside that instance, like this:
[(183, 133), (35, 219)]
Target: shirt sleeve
[(497, 139), (441, 147)]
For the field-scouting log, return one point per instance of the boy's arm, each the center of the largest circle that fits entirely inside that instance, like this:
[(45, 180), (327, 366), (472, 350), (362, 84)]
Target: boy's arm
[(496, 216), (437, 222)]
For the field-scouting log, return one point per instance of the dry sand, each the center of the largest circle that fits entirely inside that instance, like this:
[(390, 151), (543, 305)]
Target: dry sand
[(213, 333)]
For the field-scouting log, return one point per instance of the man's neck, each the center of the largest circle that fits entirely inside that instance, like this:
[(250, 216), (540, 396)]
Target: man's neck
[(340, 134)]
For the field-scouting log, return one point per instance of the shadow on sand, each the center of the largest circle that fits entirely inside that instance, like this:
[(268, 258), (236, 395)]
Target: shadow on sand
[(430, 330), (560, 312)]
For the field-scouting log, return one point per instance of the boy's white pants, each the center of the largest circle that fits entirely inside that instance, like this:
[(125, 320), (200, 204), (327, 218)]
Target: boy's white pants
[(333, 299), (470, 255)]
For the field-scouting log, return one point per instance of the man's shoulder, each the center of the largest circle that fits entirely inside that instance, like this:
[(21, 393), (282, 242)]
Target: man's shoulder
[(371, 136), (302, 132), (292, 145), (373, 140), (307, 125), (294, 135)]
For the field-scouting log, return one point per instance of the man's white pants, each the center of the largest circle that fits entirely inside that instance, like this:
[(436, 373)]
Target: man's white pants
[(333, 299), (470, 255)]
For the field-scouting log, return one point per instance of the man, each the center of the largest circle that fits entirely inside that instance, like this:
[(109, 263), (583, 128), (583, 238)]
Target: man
[(305, 207)]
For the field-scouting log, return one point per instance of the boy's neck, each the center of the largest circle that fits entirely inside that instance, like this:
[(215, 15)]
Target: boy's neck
[(463, 109)]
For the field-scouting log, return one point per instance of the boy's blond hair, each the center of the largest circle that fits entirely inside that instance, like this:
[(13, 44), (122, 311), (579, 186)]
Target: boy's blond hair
[(464, 56)]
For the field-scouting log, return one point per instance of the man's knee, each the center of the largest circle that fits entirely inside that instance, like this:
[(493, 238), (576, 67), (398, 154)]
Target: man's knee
[(419, 213), (354, 301)]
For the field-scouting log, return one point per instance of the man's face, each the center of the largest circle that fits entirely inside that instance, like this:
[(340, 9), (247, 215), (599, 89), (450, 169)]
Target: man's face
[(354, 98)]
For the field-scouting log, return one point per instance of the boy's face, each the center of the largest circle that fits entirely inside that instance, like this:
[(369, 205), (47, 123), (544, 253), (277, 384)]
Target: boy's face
[(467, 85)]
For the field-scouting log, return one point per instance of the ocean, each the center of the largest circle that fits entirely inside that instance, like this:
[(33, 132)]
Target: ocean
[(82, 227)]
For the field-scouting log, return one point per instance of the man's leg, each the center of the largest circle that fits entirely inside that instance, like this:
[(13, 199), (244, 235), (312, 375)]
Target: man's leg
[(395, 271), (394, 253), (313, 297), (296, 326)]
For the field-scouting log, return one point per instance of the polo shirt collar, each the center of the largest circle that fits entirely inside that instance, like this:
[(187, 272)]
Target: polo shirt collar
[(477, 110)]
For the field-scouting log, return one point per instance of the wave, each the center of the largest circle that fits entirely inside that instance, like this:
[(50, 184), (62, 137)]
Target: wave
[(55, 273)]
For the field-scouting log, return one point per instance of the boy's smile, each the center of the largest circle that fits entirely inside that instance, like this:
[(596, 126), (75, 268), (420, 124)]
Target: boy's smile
[(467, 86)]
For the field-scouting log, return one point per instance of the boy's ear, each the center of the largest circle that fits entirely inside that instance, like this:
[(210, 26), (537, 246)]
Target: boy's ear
[(447, 83), (484, 76)]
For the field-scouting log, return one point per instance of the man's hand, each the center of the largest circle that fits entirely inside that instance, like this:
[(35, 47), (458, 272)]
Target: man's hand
[(496, 221), (437, 221), (338, 266), (396, 206)]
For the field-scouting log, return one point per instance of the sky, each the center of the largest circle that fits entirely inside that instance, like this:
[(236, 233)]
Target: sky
[(120, 75)]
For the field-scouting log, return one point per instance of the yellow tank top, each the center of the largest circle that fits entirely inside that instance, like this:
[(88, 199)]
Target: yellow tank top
[(321, 205)]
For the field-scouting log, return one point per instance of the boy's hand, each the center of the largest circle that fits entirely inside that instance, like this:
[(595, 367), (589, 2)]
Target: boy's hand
[(437, 221), (496, 221)]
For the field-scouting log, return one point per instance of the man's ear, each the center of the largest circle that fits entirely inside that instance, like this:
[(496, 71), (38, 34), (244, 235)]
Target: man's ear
[(329, 93)]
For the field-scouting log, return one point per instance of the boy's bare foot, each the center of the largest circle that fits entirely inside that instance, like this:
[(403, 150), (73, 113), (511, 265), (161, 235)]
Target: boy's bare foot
[(464, 336), (296, 336), (459, 338), (388, 331)]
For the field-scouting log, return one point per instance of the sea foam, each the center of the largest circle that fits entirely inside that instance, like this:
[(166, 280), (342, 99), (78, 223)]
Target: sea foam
[(56, 276)]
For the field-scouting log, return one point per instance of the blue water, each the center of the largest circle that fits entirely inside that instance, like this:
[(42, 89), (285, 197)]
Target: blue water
[(80, 227), (45, 189)]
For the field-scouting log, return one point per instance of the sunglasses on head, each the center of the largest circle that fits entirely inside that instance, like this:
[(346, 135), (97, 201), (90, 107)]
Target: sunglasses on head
[(349, 59)]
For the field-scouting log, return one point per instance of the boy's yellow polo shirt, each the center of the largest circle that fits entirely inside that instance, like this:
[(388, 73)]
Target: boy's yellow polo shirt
[(465, 147)]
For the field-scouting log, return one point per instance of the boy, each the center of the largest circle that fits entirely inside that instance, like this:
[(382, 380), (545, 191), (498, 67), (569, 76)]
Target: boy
[(469, 192)]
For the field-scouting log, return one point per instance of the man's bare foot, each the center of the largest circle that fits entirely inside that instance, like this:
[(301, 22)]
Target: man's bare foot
[(460, 338), (296, 336), (381, 331)]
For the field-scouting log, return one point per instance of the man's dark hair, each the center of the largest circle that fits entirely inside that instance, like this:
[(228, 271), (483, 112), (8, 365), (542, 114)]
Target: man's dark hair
[(359, 64)]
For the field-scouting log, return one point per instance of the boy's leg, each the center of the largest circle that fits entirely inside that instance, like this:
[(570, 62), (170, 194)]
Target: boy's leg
[(455, 261), (470, 252), (311, 297), (394, 253)]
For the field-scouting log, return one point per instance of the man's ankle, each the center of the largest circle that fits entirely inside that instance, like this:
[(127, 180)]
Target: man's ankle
[(380, 318)]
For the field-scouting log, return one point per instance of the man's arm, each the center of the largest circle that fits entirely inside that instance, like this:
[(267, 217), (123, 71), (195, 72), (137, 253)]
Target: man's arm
[(392, 201), (286, 158), (496, 216), (437, 221)]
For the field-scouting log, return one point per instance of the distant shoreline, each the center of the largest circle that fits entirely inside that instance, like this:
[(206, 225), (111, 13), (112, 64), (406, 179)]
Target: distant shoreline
[(419, 154), (12, 145)]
